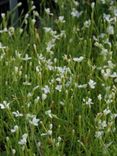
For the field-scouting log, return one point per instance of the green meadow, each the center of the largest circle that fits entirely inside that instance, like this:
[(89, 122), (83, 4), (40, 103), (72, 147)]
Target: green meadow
[(58, 83)]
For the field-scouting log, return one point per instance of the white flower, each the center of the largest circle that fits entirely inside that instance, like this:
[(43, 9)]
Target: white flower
[(49, 113), (14, 129), (78, 59), (13, 151), (75, 3), (17, 114), (34, 121), (87, 23), (88, 102), (4, 105), (106, 111), (46, 89), (44, 96), (47, 10), (99, 134), (99, 97), (49, 132), (23, 140), (106, 17), (58, 88), (91, 84), (26, 58), (75, 13), (92, 5), (47, 29), (110, 30), (115, 11), (61, 19)]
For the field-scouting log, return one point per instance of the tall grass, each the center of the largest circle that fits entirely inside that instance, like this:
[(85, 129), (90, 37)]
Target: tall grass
[(58, 83)]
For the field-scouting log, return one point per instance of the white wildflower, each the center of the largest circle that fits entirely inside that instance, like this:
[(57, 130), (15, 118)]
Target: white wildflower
[(106, 111), (110, 30), (87, 23), (46, 89), (99, 97), (44, 96), (76, 13), (58, 88), (88, 102), (78, 59), (49, 113), (13, 151), (47, 10), (26, 58), (14, 129), (4, 105), (34, 121), (99, 134), (23, 140), (61, 19), (91, 84), (17, 114)]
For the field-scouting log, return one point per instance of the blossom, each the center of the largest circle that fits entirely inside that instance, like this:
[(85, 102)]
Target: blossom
[(4, 105), (26, 58), (91, 84), (61, 19), (87, 23), (99, 134), (34, 121), (14, 129), (23, 140), (44, 96), (76, 13), (46, 89), (17, 114), (88, 102), (99, 97), (78, 59), (49, 113), (58, 88), (47, 10), (110, 30)]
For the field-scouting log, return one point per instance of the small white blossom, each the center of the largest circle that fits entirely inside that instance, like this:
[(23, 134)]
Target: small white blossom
[(99, 134), (13, 151), (4, 105), (110, 30), (78, 59), (14, 129), (17, 114), (44, 96), (23, 140), (46, 89), (87, 24), (61, 19), (88, 102), (75, 13), (58, 88), (26, 58), (49, 113), (47, 10), (34, 121), (99, 97), (91, 84)]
